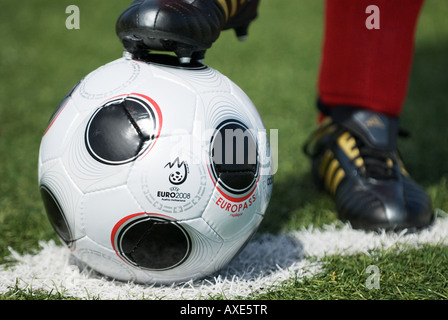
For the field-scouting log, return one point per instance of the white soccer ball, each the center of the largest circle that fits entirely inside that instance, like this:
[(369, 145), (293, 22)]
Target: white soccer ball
[(155, 173)]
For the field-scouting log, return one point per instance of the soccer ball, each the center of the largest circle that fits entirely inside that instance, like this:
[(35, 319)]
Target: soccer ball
[(153, 172)]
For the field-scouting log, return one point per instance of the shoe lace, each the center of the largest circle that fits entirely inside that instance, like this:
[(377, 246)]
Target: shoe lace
[(378, 164)]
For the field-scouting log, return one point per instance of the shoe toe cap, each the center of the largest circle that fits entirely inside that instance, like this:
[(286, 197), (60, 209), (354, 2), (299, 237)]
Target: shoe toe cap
[(386, 205)]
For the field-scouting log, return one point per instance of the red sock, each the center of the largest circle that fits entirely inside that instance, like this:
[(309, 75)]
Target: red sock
[(368, 68)]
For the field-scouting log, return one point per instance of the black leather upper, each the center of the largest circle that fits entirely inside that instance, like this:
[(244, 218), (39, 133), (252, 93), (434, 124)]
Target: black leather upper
[(159, 23), (184, 27)]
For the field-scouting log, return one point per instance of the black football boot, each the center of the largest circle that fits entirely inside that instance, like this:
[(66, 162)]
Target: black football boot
[(186, 27), (354, 158)]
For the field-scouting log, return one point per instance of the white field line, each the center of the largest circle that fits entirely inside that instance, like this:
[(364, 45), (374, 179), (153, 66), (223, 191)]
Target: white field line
[(265, 262)]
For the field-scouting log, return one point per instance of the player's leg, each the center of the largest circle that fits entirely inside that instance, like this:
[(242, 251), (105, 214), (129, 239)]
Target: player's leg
[(362, 85)]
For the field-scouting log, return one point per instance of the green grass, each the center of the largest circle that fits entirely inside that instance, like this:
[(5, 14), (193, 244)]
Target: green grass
[(40, 60), (419, 274)]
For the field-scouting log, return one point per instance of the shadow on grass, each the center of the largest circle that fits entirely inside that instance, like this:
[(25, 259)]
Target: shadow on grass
[(297, 202), (425, 115)]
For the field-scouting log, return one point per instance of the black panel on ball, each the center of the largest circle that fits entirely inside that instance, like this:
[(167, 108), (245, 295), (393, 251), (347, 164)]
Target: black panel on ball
[(154, 244), (117, 133), (56, 216), (235, 157)]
